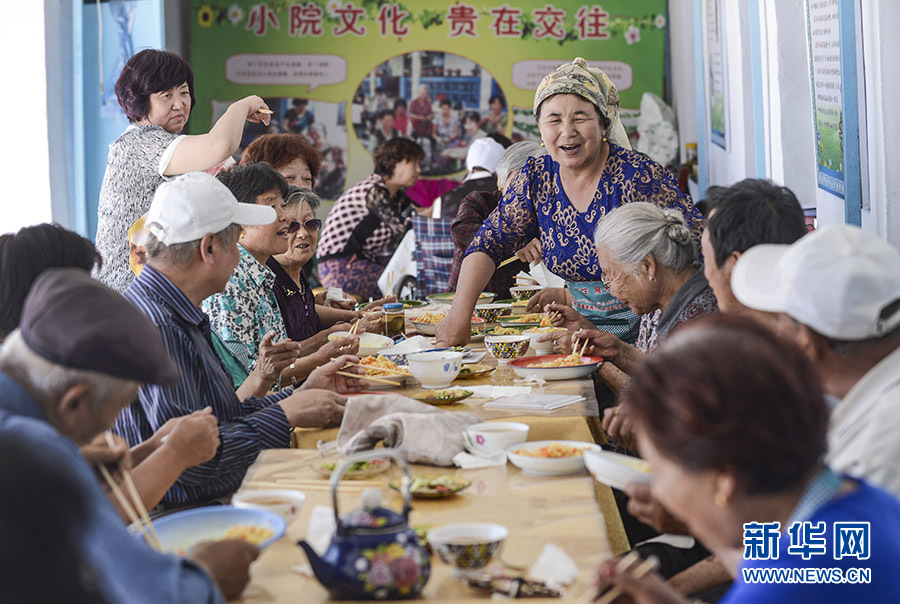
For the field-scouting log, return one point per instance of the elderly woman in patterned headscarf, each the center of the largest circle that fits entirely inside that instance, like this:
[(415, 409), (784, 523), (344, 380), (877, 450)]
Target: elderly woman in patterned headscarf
[(553, 204)]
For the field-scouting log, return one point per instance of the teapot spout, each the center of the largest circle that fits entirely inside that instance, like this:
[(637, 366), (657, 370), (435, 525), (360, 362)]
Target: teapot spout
[(323, 572)]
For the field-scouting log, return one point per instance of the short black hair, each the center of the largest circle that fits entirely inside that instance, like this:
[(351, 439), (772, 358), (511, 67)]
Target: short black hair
[(473, 117), (249, 181), (385, 113), (500, 139), (394, 151), (146, 73), (749, 213), (399, 103), (27, 254), (497, 97), (445, 102)]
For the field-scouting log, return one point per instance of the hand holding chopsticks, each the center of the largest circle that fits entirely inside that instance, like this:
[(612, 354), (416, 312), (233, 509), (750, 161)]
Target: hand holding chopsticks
[(360, 376), (137, 515), (509, 260), (625, 565), (381, 369)]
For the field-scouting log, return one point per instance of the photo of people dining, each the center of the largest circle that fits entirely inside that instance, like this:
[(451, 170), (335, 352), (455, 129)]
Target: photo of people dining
[(409, 321)]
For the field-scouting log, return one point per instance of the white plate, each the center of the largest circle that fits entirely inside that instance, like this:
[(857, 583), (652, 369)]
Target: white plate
[(522, 368), (617, 470), (542, 466)]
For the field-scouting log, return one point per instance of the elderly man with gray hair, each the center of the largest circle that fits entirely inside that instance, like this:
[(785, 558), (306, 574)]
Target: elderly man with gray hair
[(193, 227), (478, 205), (76, 360)]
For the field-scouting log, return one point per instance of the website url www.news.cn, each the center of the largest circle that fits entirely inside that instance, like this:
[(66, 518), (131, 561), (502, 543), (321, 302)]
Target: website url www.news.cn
[(807, 575)]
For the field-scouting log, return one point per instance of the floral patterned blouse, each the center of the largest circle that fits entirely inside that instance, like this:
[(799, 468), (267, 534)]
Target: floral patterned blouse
[(535, 205), (246, 310)]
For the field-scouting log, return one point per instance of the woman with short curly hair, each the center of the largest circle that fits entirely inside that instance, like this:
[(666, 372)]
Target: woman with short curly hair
[(368, 221), (156, 91)]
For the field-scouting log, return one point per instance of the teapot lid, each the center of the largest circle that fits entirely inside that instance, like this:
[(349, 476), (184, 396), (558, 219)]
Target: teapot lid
[(372, 515)]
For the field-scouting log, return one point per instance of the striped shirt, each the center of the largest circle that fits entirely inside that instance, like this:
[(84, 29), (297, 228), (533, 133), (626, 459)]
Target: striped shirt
[(244, 428)]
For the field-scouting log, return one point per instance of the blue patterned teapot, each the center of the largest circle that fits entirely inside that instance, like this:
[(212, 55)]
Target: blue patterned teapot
[(374, 554)]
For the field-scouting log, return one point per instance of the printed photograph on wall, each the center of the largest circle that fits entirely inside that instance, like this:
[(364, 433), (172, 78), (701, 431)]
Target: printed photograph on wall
[(441, 100), (323, 124)]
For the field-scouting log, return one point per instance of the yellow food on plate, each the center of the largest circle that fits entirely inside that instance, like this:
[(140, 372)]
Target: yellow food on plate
[(506, 331), (520, 302), (373, 364), (429, 317), (534, 317), (543, 329), (552, 451), (568, 361), (249, 533)]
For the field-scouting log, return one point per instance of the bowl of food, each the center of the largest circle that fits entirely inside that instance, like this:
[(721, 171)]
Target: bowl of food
[(447, 298), (284, 502), (541, 346), (426, 322), (369, 343), (507, 348), (490, 312), (442, 397), (506, 331), (384, 369), (435, 369), (550, 457), (181, 531), (556, 366), (468, 546), (525, 320), (422, 486), (413, 303), (617, 470), (524, 292), (357, 471), (517, 307)]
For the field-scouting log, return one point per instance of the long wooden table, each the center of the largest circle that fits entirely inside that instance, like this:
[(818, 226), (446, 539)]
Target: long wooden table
[(537, 510)]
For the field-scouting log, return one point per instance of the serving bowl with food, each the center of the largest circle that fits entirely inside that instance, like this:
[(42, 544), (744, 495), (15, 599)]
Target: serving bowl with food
[(426, 322), (385, 370), (517, 307), (181, 531), (524, 292), (369, 343), (447, 298), (550, 457), (506, 348), (556, 366), (284, 502), (435, 369), (617, 470), (468, 546)]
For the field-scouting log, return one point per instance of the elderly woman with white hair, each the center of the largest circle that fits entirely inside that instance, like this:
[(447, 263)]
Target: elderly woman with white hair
[(478, 205), (649, 262)]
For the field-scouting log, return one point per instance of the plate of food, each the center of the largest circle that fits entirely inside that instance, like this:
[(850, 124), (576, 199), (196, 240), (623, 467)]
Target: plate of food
[(507, 331), (359, 470), (474, 370), (433, 487), (556, 366), (384, 369), (442, 397), (181, 531), (447, 298), (550, 457), (617, 470), (426, 322), (518, 306)]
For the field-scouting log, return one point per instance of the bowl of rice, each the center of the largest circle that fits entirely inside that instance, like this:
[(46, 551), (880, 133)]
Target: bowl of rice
[(556, 366), (550, 457)]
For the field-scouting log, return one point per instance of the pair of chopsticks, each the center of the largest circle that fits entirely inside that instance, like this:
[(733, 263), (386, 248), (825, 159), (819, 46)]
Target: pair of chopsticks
[(508, 261), (625, 564), (140, 518), (390, 283), (266, 111), (353, 328), (584, 346), (395, 371), (365, 377)]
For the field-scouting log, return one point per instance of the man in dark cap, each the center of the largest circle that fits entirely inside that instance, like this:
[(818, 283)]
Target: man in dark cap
[(76, 360)]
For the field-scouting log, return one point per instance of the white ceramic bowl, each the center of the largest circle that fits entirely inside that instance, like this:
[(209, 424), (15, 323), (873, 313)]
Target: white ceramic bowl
[(523, 368), (540, 347), (181, 531), (548, 466), (617, 470), (468, 545), (488, 438), (283, 502), (370, 344), (435, 369)]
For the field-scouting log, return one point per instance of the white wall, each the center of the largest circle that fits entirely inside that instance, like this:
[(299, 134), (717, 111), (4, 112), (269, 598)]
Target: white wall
[(26, 190), (681, 60)]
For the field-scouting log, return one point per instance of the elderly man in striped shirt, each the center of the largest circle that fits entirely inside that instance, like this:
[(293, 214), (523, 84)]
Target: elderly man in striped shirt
[(193, 225)]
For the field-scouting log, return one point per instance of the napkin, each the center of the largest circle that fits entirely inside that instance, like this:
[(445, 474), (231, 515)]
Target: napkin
[(531, 378), (498, 391), (540, 273), (423, 433), (321, 528), (554, 566), (467, 461)]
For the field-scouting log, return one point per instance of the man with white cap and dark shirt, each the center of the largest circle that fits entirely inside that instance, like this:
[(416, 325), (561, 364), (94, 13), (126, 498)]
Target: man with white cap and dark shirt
[(193, 228), (481, 162), (77, 358), (837, 292)]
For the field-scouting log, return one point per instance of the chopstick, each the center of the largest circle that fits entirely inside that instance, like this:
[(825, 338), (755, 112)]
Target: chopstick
[(508, 261), (397, 371), (525, 279), (645, 567), (135, 496), (365, 377), (584, 347), (353, 328), (266, 111)]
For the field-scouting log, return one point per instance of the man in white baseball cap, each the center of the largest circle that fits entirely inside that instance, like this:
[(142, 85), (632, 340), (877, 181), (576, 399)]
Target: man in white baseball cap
[(193, 228), (838, 294)]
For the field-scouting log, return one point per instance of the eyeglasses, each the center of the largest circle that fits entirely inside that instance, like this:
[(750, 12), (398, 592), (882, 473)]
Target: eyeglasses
[(605, 279), (312, 225)]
